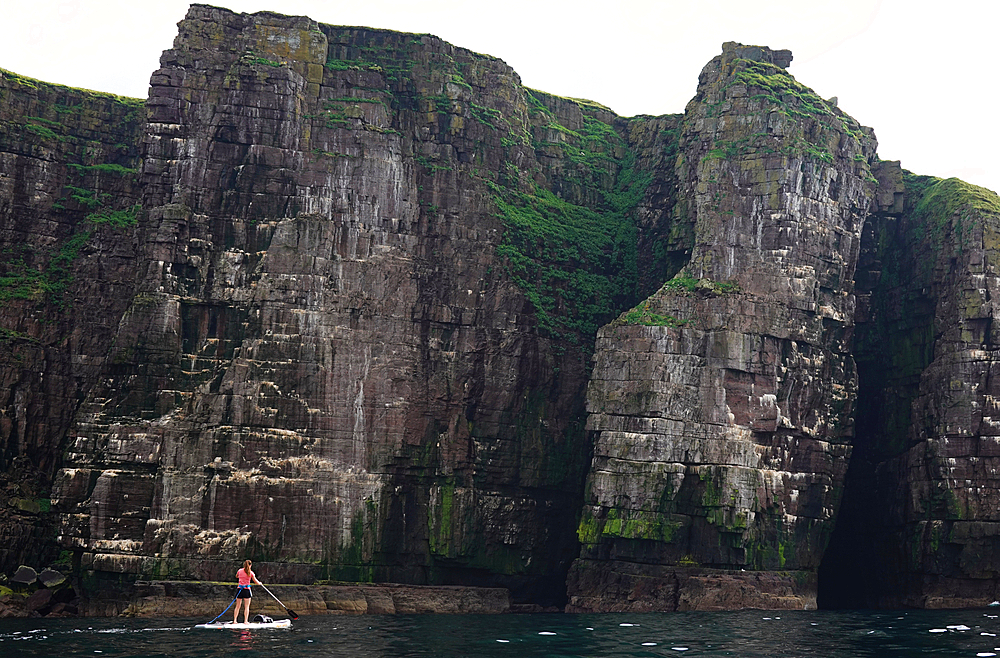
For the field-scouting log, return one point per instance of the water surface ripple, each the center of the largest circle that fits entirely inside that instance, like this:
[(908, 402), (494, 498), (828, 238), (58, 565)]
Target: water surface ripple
[(747, 634)]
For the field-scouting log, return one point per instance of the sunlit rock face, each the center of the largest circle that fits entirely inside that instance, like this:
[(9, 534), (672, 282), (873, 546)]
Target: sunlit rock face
[(722, 406)]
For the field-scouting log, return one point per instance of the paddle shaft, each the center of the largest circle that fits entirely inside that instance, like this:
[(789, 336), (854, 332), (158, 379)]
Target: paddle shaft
[(291, 613)]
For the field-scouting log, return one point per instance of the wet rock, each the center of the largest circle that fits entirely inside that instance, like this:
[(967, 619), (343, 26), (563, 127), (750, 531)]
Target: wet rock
[(633, 587), (8, 609)]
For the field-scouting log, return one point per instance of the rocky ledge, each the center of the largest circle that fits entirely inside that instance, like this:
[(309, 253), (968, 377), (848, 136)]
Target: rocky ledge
[(171, 598)]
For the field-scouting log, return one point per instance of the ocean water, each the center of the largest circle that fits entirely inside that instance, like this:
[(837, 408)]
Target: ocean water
[(747, 634)]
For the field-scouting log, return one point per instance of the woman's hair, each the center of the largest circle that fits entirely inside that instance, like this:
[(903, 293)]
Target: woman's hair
[(246, 566)]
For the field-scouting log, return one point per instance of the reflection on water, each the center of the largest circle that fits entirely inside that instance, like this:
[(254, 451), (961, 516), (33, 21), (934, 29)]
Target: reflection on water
[(245, 640), (747, 634)]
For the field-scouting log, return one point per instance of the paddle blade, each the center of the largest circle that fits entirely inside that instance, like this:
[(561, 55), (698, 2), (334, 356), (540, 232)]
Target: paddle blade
[(291, 613)]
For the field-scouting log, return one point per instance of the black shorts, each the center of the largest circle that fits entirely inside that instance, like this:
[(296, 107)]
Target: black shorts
[(244, 593)]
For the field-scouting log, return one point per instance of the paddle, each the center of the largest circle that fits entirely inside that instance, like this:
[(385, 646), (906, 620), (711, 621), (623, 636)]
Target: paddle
[(291, 613)]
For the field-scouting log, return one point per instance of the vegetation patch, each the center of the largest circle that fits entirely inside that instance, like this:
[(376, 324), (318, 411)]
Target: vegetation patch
[(577, 264), (441, 519), (115, 169), (351, 65), (626, 524), (22, 282), (431, 164), (942, 199), (44, 132), (318, 152), (685, 283), (85, 197), (115, 218), (778, 87), (353, 562), (26, 282), (9, 335), (643, 316)]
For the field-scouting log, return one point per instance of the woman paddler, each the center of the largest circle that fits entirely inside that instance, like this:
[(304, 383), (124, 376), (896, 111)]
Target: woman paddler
[(243, 595)]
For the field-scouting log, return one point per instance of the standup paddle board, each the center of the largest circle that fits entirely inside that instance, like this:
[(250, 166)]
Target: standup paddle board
[(277, 623)]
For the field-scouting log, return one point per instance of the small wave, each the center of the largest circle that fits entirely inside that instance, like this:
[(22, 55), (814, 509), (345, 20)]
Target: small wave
[(147, 630)]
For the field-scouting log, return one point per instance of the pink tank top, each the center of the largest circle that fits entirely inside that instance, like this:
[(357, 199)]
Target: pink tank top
[(243, 577)]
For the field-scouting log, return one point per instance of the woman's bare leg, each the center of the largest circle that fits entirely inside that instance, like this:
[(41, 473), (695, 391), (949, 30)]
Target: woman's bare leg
[(246, 611)]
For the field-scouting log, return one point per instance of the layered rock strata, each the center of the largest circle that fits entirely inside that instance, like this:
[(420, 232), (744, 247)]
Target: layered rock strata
[(920, 523), (353, 345), (203, 599), (722, 406), (329, 301), (68, 207)]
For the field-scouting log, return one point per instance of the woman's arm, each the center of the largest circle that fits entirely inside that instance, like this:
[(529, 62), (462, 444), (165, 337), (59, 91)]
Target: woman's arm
[(253, 577)]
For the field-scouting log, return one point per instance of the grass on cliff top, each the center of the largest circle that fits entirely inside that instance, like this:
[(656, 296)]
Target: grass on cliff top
[(582, 102), (25, 81), (778, 86), (642, 315), (943, 198)]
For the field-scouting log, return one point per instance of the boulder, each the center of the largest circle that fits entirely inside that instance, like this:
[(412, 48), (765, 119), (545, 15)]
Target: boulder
[(39, 601), (24, 576), (51, 578)]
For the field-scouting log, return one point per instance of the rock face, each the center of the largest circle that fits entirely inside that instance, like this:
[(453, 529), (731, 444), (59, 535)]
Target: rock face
[(350, 347), (721, 407), (329, 300), (927, 439), (68, 195), (191, 599)]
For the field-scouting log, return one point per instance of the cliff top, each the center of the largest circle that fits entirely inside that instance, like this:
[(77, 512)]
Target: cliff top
[(26, 81)]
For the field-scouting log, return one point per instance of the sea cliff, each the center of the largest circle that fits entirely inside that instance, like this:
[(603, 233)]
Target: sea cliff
[(358, 304)]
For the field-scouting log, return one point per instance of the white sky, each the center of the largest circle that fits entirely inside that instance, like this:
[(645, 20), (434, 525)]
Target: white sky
[(922, 73)]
